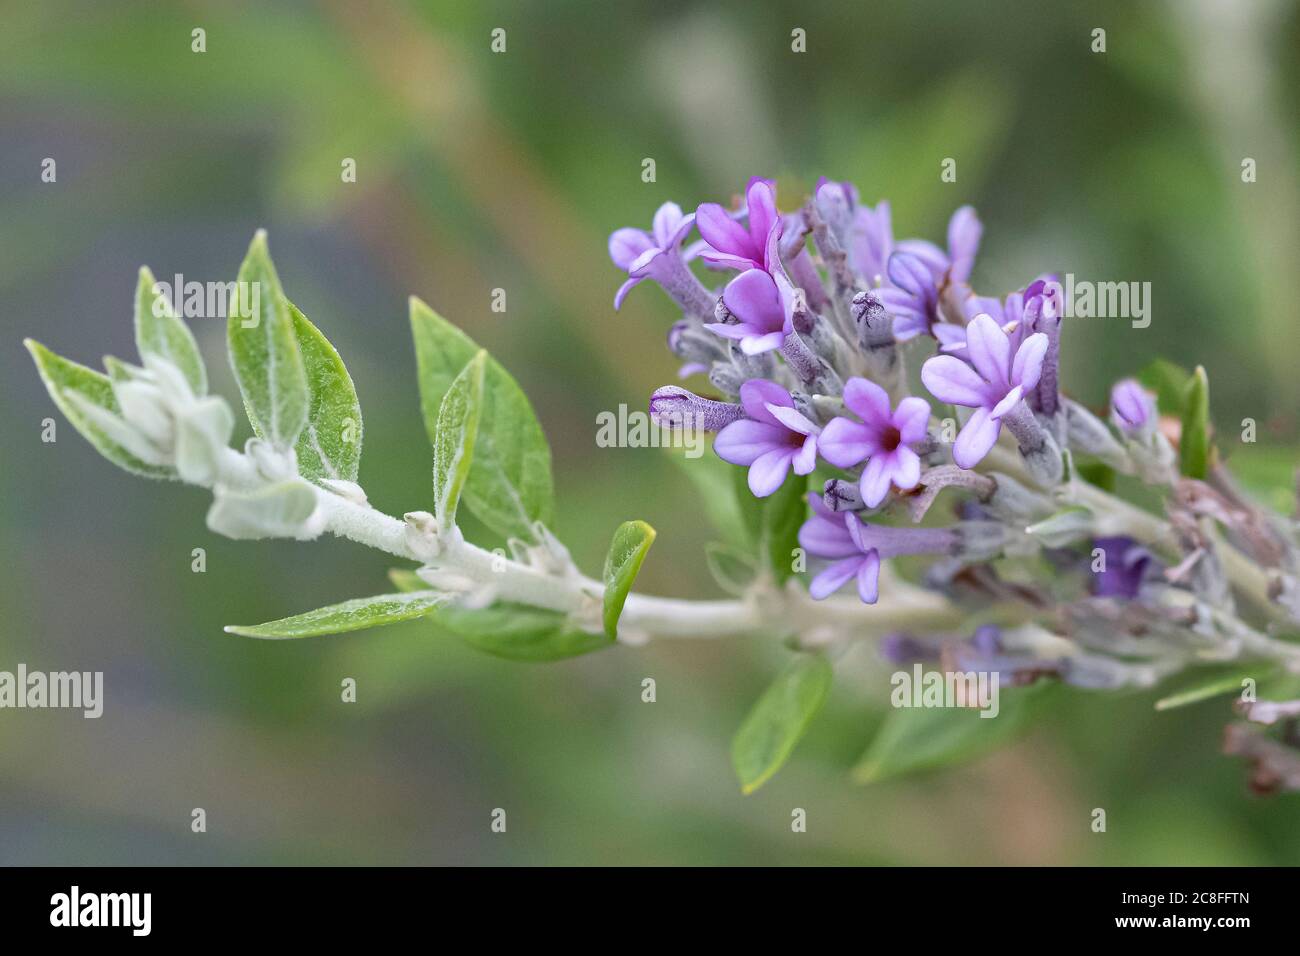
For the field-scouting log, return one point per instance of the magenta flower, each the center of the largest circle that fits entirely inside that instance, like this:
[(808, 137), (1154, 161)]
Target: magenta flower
[(882, 439), (771, 439), (763, 304), (912, 298), (955, 265), (993, 387), (733, 245), (855, 548), (655, 254), (1131, 407)]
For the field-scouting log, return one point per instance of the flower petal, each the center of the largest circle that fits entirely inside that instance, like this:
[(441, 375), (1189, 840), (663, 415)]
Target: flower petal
[(768, 471), (949, 379), (720, 230), (989, 350), (825, 537), (667, 218), (912, 419), (743, 441), (1028, 363), (1009, 401), (758, 393), (977, 436), (874, 484), (844, 443), (792, 419), (905, 468), (869, 577), (964, 232), (626, 244), (805, 459), (834, 577), (868, 400), (758, 344), (624, 289), (753, 298)]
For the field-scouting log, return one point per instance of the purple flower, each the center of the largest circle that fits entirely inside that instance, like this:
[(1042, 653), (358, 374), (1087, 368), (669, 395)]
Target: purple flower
[(856, 548), (1124, 569), (882, 438), (1017, 315), (1131, 407), (913, 299), (828, 534), (651, 255), (763, 304), (732, 245), (955, 265), (771, 439), (993, 387), (672, 406)]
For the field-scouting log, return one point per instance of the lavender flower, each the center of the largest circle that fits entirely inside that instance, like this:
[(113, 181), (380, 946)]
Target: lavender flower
[(993, 387), (882, 438), (674, 407), (873, 240), (657, 255), (763, 304), (856, 549), (732, 245), (913, 299), (771, 439), (1132, 409), (955, 265), (1126, 566)]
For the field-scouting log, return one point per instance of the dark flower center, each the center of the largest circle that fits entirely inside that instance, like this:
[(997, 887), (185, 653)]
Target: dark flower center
[(890, 438)]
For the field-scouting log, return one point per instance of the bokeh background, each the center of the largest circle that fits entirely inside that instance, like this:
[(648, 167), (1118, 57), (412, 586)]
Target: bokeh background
[(477, 171)]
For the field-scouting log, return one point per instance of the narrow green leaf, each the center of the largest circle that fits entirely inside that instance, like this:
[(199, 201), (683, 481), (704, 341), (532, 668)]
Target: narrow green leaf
[(521, 633), (453, 445), (913, 739), (779, 719), (65, 379), (1206, 687), (509, 486), (158, 331), (784, 512), (330, 444), (631, 541), (1063, 528), (264, 350), (732, 568), (1169, 382), (1194, 443), (355, 615)]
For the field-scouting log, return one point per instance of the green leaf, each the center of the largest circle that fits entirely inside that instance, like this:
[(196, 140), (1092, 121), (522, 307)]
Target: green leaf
[(510, 484), (1194, 443), (913, 739), (453, 445), (1205, 688), (779, 719), (627, 551), (264, 350), (404, 579), (159, 332), (330, 444), (732, 568), (1169, 382), (714, 482), (521, 633), (355, 615), (784, 512), (1063, 528), (64, 379)]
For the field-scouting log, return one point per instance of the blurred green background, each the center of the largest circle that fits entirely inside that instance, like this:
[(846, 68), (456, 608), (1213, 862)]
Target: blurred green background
[(479, 171)]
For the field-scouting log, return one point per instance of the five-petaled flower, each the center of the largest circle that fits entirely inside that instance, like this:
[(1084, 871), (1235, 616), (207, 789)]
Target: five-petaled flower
[(733, 245), (994, 386), (650, 255), (771, 439), (838, 537), (883, 439), (763, 304)]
